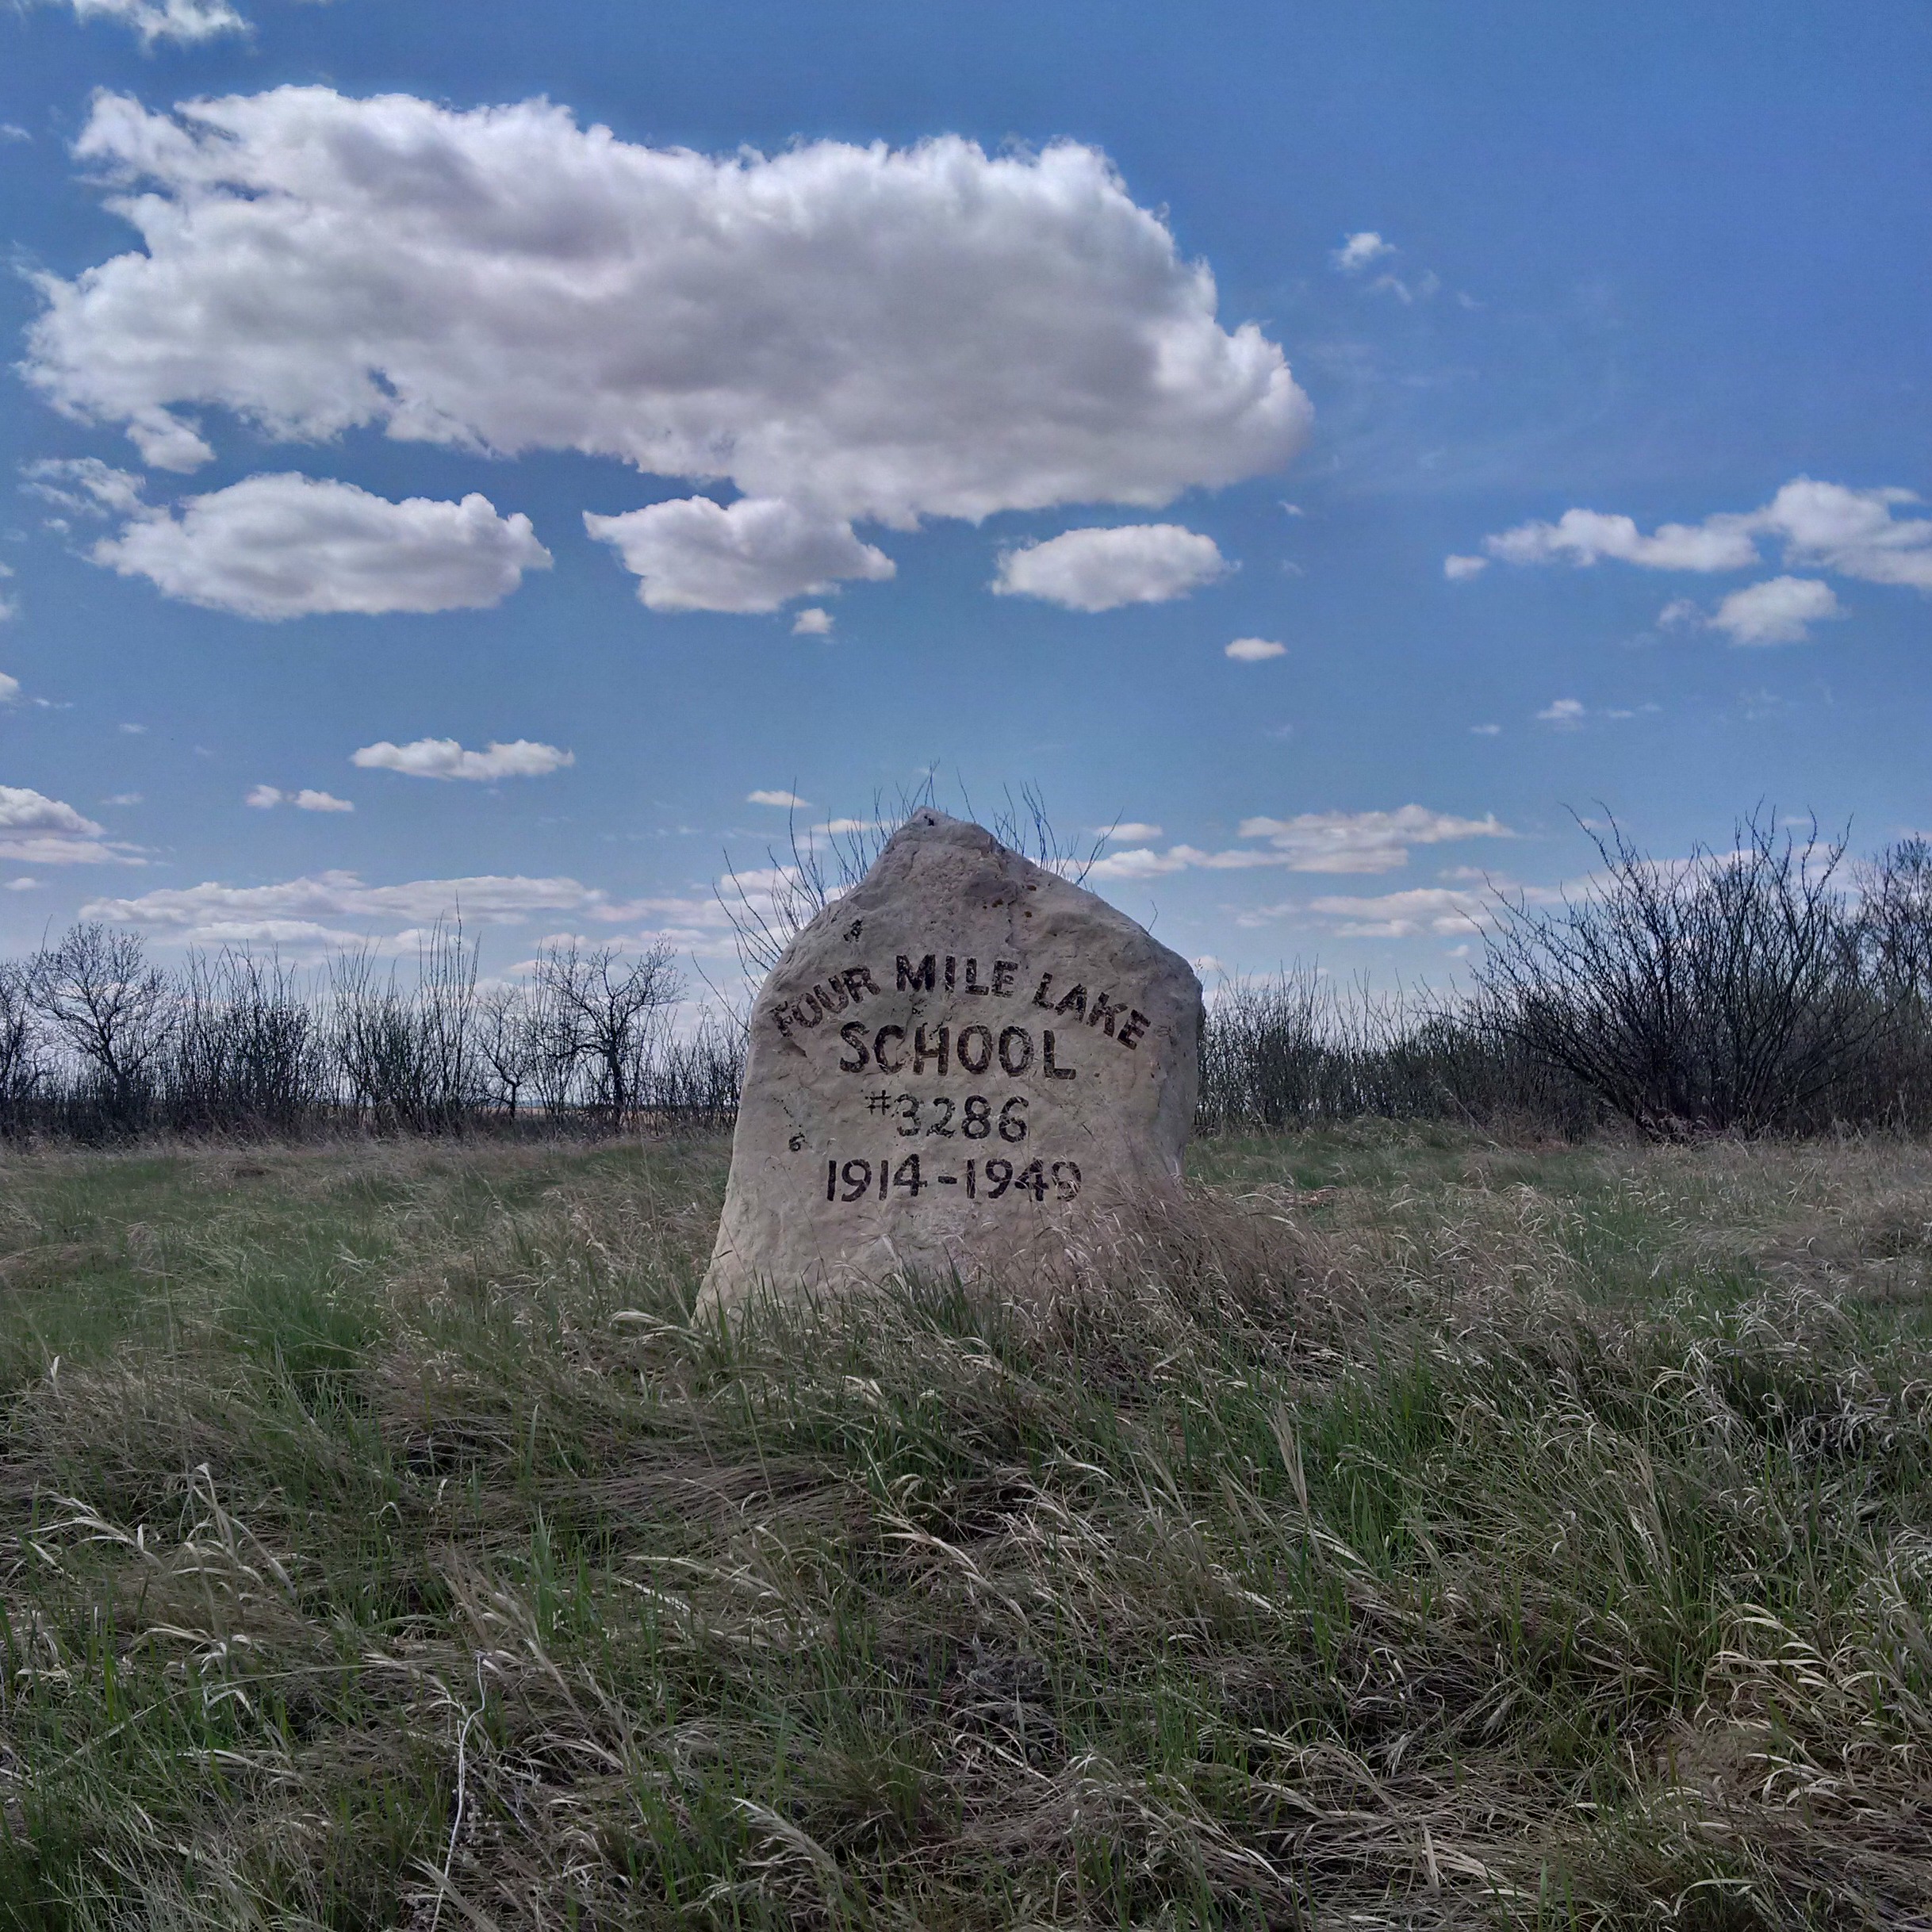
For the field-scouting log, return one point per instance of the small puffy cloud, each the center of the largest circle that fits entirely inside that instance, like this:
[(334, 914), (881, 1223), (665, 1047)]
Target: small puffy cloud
[(694, 555), (1778, 612), (1131, 831), (1102, 569), (1565, 714), (813, 622), (502, 279), (290, 546), (265, 798), (1460, 570), (1255, 650), (1140, 862), (1485, 731), (789, 800), (37, 831), (1586, 537), (10, 689), (23, 884), (122, 798), (1359, 250), (186, 21), (444, 757)]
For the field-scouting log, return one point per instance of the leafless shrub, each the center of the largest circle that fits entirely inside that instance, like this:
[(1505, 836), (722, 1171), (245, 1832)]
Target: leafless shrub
[(409, 1055), (1721, 993), (246, 1053)]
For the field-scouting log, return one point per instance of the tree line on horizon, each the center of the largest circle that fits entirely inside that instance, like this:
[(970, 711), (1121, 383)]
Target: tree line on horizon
[(1768, 987)]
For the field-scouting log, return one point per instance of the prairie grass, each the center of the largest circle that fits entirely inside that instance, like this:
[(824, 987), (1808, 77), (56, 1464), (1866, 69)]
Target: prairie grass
[(1432, 1532)]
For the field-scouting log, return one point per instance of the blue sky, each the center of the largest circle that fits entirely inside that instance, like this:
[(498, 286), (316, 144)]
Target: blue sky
[(439, 429)]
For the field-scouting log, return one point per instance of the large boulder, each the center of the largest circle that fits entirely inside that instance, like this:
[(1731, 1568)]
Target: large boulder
[(965, 1065)]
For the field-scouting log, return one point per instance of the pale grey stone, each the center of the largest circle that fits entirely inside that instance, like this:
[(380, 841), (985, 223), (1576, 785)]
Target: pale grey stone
[(1016, 1059)]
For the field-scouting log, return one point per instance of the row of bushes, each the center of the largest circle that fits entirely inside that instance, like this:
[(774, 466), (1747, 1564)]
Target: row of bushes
[(1763, 987), (98, 1043)]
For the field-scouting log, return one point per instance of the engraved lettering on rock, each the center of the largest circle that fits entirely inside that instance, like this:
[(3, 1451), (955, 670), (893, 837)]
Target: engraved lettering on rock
[(968, 1064)]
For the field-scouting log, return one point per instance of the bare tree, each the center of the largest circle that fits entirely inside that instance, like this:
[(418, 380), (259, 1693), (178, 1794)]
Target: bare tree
[(509, 1042), (610, 1005), (20, 1070), (97, 991)]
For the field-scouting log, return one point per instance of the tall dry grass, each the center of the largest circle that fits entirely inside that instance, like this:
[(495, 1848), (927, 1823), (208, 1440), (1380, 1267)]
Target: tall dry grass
[(1434, 1531)]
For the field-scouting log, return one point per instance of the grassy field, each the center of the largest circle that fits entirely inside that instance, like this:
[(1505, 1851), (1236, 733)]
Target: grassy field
[(1444, 1533)]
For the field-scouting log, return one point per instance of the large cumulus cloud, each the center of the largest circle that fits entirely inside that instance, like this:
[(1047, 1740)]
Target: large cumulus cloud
[(860, 333)]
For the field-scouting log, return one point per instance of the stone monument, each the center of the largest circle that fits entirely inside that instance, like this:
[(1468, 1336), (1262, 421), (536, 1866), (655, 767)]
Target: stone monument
[(966, 1065)]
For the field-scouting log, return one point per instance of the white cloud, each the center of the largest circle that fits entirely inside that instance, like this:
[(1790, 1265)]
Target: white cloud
[(789, 799), (444, 757), (1254, 650), (1586, 537), (1131, 831), (335, 907), (22, 884), (10, 689), (1358, 251), (1564, 713), (84, 485), (38, 830), (1365, 841), (265, 798), (289, 546), (1460, 570), (1328, 841), (1401, 915), (1826, 526), (10, 132), (1821, 526), (812, 623), (1777, 611), (1102, 569), (184, 21), (1485, 731), (694, 555), (501, 279)]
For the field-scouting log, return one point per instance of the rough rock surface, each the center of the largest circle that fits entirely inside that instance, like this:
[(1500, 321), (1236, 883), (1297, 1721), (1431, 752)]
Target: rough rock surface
[(967, 1064)]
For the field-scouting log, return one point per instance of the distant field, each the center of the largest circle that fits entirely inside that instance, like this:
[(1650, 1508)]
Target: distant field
[(1447, 1534)]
